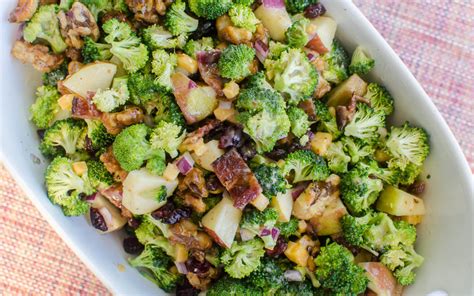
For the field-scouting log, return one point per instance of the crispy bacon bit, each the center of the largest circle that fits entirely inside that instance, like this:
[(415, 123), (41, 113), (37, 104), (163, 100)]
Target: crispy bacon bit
[(115, 122), (77, 23), (23, 11), (112, 165), (237, 178), (148, 10), (84, 108), (344, 114), (207, 65), (185, 232), (38, 55), (114, 195)]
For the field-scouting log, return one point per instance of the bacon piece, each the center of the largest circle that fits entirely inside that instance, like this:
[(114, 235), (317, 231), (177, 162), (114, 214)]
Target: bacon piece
[(114, 194), (237, 178), (112, 165), (23, 11), (37, 55), (115, 122), (207, 64)]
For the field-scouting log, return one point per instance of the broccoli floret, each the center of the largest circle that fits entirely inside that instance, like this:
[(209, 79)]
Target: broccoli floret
[(194, 46), (98, 175), (242, 258), (94, 51), (289, 228), (361, 63), (97, 6), (163, 66), (388, 175), (235, 61), (99, 137), (164, 108), (402, 261), (275, 49), (209, 9), (261, 224), (44, 25), (177, 21), (45, 108), (242, 16), (131, 147), (380, 99), (66, 188), (407, 144), (157, 37), (409, 174), (259, 99), (304, 288), (299, 121), (337, 62), (157, 267), (233, 287), (357, 149), (151, 231), (306, 166), (157, 164), (52, 78), (167, 136), (271, 179), (327, 121), (359, 191), (244, 2), (297, 6), (110, 99), (143, 88), (126, 46), (64, 137), (296, 35), (376, 232), (120, 5), (268, 276), (365, 124), (258, 81), (292, 74), (336, 157), (65, 4), (337, 271)]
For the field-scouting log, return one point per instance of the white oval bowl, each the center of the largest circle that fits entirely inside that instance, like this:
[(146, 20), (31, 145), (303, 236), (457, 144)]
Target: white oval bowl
[(445, 236)]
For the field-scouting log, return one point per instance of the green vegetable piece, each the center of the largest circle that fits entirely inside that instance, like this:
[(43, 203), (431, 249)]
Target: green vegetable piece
[(45, 108), (242, 16), (235, 61), (306, 166), (242, 258), (209, 9), (361, 63), (177, 21)]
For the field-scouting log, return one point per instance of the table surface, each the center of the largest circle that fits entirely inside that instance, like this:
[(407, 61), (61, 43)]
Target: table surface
[(434, 38)]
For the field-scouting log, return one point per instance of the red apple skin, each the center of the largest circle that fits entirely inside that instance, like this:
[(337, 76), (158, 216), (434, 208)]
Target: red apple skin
[(317, 45), (215, 237), (381, 279)]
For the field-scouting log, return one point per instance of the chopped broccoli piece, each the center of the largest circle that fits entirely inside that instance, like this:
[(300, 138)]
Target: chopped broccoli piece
[(380, 99), (359, 191), (235, 61), (151, 231), (143, 88), (361, 63), (407, 144), (271, 179), (402, 260), (163, 66), (167, 136), (296, 35), (275, 49), (297, 6), (242, 16), (177, 21), (337, 158), (258, 81), (289, 228), (157, 37), (306, 166), (255, 222), (45, 108), (94, 51), (209, 9), (194, 46), (157, 265), (304, 288), (110, 99), (66, 188), (64, 138), (233, 287), (357, 149), (337, 271), (365, 124), (97, 6), (337, 62), (126, 46), (259, 99), (52, 78), (299, 121), (387, 175), (327, 121), (65, 4), (98, 175), (120, 5), (292, 74), (98, 135), (164, 108), (242, 258), (157, 164), (44, 25), (409, 174), (268, 276)]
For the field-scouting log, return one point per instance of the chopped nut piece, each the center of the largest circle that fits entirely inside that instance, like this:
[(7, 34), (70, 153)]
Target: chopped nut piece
[(112, 165), (187, 63), (77, 23), (148, 10), (23, 11), (115, 122), (38, 55)]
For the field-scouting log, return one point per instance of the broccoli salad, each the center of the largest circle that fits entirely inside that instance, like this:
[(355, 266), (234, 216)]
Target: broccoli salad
[(236, 144)]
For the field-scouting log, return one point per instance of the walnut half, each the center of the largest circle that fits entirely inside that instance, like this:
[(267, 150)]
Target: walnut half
[(38, 55), (77, 23)]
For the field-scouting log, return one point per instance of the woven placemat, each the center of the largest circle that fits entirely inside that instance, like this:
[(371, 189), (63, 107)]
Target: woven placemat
[(432, 38)]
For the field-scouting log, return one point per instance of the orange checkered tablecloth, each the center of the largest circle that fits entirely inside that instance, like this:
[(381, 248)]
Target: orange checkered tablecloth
[(434, 38)]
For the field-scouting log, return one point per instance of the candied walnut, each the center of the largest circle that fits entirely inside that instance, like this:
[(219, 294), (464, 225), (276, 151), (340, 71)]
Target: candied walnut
[(344, 114), (74, 54), (84, 108), (202, 282), (309, 108), (195, 202), (194, 182), (233, 172), (322, 88), (120, 16), (316, 197), (185, 232), (148, 10), (115, 122), (38, 55), (226, 31), (114, 194), (74, 66), (77, 23), (23, 11), (112, 165), (261, 34)]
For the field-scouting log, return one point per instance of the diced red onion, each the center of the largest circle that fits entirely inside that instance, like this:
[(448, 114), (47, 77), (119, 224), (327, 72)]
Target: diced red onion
[(275, 233), (106, 215), (185, 163), (293, 276), (274, 3), (311, 57), (246, 235), (265, 232), (261, 50), (225, 105), (91, 197), (181, 266), (298, 190), (192, 84)]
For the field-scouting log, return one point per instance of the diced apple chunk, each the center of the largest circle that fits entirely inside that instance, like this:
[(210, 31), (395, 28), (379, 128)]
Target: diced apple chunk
[(276, 20), (397, 202), (327, 222), (211, 152), (171, 172), (341, 95), (320, 143), (325, 31), (260, 202), (222, 222), (90, 78), (381, 280), (283, 203), (112, 215)]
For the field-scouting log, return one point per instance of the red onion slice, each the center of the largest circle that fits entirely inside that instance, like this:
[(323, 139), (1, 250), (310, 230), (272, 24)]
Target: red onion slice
[(275, 233), (181, 266), (293, 276), (274, 3), (92, 197), (185, 163), (295, 193), (265, 232), (261, 50)]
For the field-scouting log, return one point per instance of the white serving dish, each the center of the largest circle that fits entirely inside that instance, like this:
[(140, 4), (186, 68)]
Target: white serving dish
[(445, 236)]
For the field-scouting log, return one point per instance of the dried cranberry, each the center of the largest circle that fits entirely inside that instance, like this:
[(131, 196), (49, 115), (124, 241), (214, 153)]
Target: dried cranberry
[(186, 289), (232, 137), (277, 153), (213, 184), (131, 245), (314, 10), (279, 248), (248, 151), (88, 145), (170, 215), (40, 133), (133, 223), (205, 28), (198, 267), (97, 220), (417, 188)]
